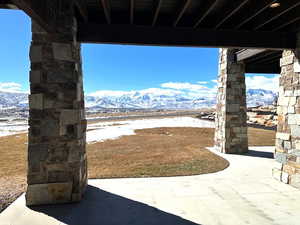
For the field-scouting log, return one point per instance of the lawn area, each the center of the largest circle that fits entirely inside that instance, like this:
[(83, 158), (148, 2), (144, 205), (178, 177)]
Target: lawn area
[(151, 152)]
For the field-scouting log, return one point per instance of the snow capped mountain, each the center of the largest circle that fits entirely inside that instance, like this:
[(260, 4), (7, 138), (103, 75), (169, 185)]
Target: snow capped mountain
[(13, 100), (169, 99), (257, 97), (153, 98)]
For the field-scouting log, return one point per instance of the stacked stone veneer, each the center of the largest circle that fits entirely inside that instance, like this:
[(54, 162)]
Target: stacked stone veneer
[(231, 111), (57, 166), (287, 152)]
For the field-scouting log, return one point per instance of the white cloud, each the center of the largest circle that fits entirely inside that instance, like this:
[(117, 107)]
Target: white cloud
[(270, 83), (11, 87), (201, 89), (202, 82), (198, 89)]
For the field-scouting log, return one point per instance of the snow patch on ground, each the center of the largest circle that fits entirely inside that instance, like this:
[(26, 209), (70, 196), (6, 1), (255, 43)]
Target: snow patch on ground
[(13, 127), (102, 131), (111, 130)]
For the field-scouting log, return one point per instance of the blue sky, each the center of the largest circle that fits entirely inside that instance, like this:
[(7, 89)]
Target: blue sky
[(115, 67)]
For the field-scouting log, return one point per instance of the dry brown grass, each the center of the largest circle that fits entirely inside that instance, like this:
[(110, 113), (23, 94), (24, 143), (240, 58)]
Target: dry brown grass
[(155, 152), (260, 137), (13, 160), (152, 152)]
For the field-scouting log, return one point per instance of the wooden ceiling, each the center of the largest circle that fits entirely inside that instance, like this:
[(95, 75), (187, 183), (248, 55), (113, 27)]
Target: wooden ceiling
[(249, 15), (251, 24), (206, 23)]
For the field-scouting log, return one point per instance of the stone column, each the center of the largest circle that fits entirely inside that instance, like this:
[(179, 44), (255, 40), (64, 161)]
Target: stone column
[(231, 111), (287, 152), (57, 164)]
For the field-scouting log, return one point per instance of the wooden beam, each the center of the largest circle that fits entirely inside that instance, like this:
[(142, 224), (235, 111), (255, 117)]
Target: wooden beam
[(269, 58), (258, 57), (131, 11), (106, 9), (156, 11), (163, 36), (252, 12), (248, 53), (6, 4), (285, 7), (39, 11), (181, 12), (232, 12), (206, 11), (82, 8), (270, 68), (286, 24)]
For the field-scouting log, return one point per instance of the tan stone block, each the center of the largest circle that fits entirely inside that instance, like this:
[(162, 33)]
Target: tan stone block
[(294, 164), (289, 169), (52, 193), (36, 101), (286, 60)]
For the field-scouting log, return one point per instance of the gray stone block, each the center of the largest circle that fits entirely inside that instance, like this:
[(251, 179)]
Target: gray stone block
[(285, 177), (233, 108), (276, 173), (50, 128), (283, 136), (35, 76), (295, 131), (62, 51), (287, 145), (293, 119), (36, 54), (296, 66), (281, 157), (68, 117)]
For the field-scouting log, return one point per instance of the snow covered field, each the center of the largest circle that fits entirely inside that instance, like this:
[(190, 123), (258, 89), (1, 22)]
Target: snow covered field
[(111, 130), (13, 127)]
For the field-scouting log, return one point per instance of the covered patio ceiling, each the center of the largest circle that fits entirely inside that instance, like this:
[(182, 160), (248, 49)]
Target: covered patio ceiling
[(266, 27)]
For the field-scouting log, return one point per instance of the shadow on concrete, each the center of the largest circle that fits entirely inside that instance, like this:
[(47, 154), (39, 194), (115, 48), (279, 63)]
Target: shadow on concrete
[(103, 208), (261, 154)]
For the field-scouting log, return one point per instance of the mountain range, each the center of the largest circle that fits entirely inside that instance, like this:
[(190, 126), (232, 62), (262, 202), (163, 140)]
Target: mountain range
[(146, 99)]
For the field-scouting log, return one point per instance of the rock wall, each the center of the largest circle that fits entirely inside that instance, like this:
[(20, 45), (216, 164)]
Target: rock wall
[(231, 111), (57, 164), (287, 152)]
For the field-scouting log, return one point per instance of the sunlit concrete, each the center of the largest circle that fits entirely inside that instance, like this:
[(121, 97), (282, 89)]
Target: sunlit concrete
[(244, 193)]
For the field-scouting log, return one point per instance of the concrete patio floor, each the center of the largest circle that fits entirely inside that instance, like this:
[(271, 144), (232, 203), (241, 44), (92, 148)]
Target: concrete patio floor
[(244, 193)]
